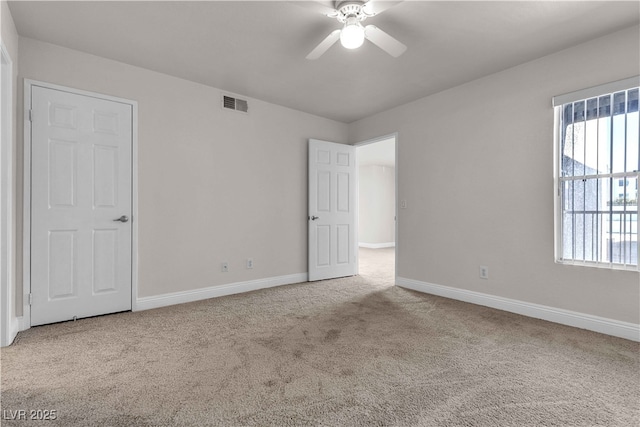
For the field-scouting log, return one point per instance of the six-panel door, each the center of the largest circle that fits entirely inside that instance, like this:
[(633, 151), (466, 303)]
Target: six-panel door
[(81, 149), (332, 214)]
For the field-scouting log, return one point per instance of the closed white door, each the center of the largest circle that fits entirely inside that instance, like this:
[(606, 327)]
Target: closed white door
[(81, 188), (332, 210)]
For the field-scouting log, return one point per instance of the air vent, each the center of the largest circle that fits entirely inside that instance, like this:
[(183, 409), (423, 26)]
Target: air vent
[(229, 102), (241, 105), (232, 103)]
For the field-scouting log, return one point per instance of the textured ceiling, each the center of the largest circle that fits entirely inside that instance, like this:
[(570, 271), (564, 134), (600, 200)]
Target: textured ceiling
[(258, 49)]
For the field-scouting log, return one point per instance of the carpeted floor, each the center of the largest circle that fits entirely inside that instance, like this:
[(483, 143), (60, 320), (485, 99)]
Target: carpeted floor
[(346, 352)]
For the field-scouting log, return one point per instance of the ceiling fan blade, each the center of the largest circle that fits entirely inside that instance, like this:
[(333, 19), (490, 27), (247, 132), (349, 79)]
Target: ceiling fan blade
[(325, 7), (324, 45), (374, 7), (384, 41)]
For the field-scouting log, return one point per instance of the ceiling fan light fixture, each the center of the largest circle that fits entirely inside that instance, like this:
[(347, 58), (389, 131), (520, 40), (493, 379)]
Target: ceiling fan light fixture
[(352, 35), (351, 14)]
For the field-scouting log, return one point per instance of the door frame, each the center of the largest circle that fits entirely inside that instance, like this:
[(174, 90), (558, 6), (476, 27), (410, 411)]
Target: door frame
[(26, 213), (395, 136), (8, 323)]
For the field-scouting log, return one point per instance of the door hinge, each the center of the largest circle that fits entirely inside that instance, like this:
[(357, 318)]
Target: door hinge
[(30, 299), (30, 115)]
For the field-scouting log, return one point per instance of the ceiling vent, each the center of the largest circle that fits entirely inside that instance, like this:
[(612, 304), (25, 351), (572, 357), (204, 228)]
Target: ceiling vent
[(232, 103)]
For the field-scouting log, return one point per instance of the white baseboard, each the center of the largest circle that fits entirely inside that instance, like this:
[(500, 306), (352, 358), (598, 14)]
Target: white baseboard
[(12, 330), (23, 325), (630, 331), (15, 328), (156, 301), (377, 245), (16, 325)]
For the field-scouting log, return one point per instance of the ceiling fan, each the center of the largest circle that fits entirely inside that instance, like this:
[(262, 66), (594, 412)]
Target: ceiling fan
[(352, 13)]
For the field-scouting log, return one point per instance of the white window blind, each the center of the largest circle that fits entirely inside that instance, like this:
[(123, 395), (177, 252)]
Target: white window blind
[(592, 92)]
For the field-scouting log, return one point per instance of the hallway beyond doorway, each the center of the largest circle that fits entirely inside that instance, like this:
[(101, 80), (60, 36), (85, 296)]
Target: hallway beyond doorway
[(378, 264)]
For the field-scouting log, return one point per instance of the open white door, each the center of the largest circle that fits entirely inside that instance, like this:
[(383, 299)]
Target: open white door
[(81, 205), (332, 210)]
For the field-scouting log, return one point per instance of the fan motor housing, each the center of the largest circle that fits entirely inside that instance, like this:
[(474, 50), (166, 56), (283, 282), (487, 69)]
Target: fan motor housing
[(350, 8), (342, 3)]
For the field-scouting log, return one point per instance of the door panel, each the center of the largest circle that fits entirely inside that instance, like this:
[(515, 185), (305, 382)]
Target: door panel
[(105, 260), (62, 264), (343, 243), (323, 197), (323, 255), (81, 180), (105, 176), (332, 237), (342, 192), (63, 169)]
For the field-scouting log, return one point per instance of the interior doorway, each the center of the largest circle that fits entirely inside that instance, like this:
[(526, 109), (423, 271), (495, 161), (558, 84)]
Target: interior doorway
[(377, 204)]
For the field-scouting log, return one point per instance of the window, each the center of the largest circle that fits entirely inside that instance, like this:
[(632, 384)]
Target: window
[(597, 166)]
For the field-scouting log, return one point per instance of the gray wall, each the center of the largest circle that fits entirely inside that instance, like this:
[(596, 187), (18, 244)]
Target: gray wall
[(475, 164), (214, 185)]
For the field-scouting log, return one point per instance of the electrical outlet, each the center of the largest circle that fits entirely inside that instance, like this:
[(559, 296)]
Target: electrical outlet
[(249, 262), (225, 267), (403, 204), (484, 272)]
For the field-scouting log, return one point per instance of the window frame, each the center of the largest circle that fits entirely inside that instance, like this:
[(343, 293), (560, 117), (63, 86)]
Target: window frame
[(558, 102)]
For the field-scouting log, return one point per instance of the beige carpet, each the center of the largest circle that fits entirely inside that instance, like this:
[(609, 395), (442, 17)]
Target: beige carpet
[(348, 352)]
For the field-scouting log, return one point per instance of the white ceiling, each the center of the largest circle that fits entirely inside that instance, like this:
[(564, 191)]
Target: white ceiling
[(258, 49)]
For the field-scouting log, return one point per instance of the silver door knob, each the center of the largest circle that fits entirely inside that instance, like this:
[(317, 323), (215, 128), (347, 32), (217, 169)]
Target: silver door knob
[(123, 218), (313, 218)]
